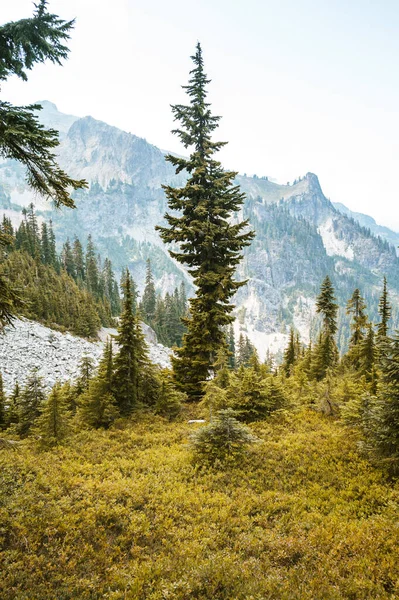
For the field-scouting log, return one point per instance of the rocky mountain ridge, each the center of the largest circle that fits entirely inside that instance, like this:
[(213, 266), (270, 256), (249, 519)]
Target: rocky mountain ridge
[(301, 236)]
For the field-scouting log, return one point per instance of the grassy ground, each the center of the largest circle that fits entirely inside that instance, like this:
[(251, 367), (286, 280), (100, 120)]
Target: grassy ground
[(126, 514)]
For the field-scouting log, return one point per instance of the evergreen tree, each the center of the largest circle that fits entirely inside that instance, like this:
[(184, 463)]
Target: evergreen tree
[(13, 406), (46, 253), (97, 404), (29, 406), (52, 247), (23, 44), (326, 351), (386, 427), (67, 260), (232, 348), (86, 370), (92, 274), (384, 309), (223, 439), (78, 259), (169, 399), (356, 307), (52, 425), (149, 297), (208, 242), (290, 354), (367, 357), (131, 354), (3, 416)]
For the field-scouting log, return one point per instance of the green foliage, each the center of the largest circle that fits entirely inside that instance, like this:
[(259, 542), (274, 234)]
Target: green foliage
[(384, 310), (169, 401), (52, 290), (385, 435), (3, 417), (207, 240), (125, 514), (254, 396), (223, 439), (29, 403), (132, 353), (23, 44), (53, 423), (97, 404)]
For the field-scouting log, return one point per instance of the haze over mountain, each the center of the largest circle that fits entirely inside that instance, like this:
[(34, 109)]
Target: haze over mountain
[(300, 235)]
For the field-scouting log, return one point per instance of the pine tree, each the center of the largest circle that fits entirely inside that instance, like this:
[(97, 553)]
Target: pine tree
[(384, 309), (386, 427), (169, 399), (13, 406), (22, 44), (289, 354), (29, 406), (52, 248), (149, 297), (326, 351), (208, 242), (86, 370), (92, 274), (3, 416), (67, 260), (131, 354), (78, 259), (46, 253), (53, 423), (223, 439), (97, 404), (232, 348), (367, 357), (356, 307)]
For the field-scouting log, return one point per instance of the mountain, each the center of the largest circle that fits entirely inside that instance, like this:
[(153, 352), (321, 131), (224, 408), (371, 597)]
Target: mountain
[(365, 221), (300, 234)]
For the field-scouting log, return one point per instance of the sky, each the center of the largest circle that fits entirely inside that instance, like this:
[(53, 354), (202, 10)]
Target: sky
[(302, 85)]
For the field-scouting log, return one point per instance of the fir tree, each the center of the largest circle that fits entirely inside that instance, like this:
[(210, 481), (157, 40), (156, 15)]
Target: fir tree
[(78, 259), (52, 425), (169, 399), (356, 307), (3, 416), (208, 242), (232, 348), (46, 253), (13, 406), (92, 274), (86, 370), (67, 260), (149, 296), (97, 404), (326, 351), (290, 354), (22, 44), (386, 428), (131, 354), (384, 309), (29, 406)]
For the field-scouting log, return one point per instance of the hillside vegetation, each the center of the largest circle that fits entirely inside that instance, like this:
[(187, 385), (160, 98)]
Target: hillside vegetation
[(126, 513)]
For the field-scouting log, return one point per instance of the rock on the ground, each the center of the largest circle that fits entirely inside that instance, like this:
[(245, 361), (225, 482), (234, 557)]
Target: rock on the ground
[(29, 345)]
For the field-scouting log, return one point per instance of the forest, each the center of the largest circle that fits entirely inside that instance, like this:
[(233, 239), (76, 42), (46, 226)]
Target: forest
[(224, 477)]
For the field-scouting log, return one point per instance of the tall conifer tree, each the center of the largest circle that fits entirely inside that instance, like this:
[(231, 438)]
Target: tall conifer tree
[(326, 351), (208, 242), (131, 354), (384, 309)]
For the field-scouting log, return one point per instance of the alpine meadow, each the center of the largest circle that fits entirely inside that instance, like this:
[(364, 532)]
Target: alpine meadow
[(199, 369)]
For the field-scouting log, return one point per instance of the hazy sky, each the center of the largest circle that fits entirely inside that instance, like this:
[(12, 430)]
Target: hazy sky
[(302, 85)]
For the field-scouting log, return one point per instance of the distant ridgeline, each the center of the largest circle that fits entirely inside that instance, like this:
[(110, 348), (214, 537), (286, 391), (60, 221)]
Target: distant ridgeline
[(73, 290)]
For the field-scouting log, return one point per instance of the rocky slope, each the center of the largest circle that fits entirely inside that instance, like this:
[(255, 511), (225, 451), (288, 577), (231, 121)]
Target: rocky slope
[(301, 236), (28, 345)]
